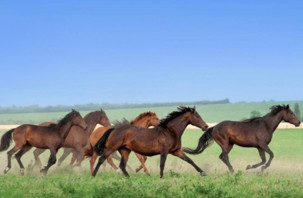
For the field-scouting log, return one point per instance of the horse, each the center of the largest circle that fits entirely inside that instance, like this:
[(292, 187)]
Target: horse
[(47, 137), (77, 138), (163, 139), (255, 132), (144, 120)]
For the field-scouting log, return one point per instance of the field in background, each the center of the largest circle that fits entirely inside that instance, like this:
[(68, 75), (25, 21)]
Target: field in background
[(282, 179), (210, 113)]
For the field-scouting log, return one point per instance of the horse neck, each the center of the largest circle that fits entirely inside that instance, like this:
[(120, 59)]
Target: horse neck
[(178, 125), (144, 123), (272, 121), (64, 129), (91, 123)]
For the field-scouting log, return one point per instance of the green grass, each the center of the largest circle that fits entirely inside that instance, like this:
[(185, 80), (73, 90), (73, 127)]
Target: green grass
[(210, 113), (282, 179)]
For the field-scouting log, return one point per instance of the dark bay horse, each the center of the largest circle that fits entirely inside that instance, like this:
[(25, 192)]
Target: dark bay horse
[(47, 137), (163, 139), (143, 120), (77, 139), (256, 132)]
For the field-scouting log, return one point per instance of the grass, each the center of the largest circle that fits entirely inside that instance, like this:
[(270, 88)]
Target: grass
[(210, 113), (282, 179)]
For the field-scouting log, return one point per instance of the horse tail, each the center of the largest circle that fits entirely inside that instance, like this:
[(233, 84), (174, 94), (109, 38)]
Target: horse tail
[(89, 151), (6, 140), (100, 145), (205, 140)]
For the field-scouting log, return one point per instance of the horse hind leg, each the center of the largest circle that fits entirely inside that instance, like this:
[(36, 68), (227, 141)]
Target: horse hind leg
[(224, 156), (263, 160), (18, 156), (271, 156), (124, 154), (102, 158), (66, 152), (9, 158), (142, 159), (109, 160)]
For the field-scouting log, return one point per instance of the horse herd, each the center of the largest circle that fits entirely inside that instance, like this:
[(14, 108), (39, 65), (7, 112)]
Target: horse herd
[(77, 136)]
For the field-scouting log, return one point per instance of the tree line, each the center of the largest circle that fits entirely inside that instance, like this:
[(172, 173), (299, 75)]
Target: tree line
[(95, 106)]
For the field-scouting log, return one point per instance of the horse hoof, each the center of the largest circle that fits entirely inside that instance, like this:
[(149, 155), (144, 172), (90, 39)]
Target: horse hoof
[(147, 173), (43, 171), (203, 174), (6, 170), (248, 167), (137, 170), (22, 171), (263, 168)]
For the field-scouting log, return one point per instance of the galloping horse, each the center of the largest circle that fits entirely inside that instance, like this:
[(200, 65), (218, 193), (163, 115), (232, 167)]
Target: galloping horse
[(144, 120), (256, 132), (77, 138), (163, 139), (47, 137)]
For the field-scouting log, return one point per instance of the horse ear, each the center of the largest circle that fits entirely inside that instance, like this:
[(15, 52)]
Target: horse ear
[(194, 109), (287, 106), (101, 109)]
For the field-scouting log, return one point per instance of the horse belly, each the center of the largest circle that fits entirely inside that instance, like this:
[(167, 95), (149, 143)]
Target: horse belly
[(148, 149)]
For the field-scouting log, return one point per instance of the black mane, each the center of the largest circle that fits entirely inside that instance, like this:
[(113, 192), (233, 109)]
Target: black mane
[(274, 110), (67, 118), (174, 114)]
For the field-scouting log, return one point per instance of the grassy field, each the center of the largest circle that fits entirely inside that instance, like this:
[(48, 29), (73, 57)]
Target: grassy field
[(210, 113), (282, 179)]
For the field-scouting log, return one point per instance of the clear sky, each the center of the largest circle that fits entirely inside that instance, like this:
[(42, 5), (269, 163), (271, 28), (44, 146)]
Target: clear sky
[(76, 52)]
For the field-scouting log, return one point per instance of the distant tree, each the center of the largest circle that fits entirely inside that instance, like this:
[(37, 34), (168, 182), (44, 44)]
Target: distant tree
[(297, 111), (254, 114)]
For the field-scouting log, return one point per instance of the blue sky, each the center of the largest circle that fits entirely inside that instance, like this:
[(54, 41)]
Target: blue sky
[(76, 52)]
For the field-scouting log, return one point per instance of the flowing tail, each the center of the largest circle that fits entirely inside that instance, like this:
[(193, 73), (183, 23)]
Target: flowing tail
[(205, 140), (6, 140), (100, 145), (89, 151)]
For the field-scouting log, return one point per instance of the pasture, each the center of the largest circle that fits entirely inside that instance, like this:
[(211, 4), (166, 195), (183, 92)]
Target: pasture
[(282, 179)]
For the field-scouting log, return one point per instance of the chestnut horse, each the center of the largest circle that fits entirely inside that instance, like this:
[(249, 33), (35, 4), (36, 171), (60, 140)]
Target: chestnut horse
[(256, 132), (47, 137), (144, 120), (77, 138), (163, 139)]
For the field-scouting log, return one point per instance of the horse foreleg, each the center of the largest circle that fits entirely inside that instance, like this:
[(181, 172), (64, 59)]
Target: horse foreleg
[(162, 163), (111, 162), (92, 162), (124, 154), (263, 158), (79, 152), (66, 152), (181, 154), (52, 160), (37, 152), (142, 159), (271, 156), (18, 156)]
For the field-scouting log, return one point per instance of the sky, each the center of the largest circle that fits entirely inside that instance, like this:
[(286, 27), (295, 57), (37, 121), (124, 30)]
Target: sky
[(77, 52)]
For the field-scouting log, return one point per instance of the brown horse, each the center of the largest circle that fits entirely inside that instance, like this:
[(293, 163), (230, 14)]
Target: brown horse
[(77, 138), (256, 132), (144, 120), (163, 139), (47, 137)]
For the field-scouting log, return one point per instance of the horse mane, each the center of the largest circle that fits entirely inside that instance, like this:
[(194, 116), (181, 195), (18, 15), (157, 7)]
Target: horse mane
[(181, 110), (143, 115), (117, 123), (66, 119), (274, 110)]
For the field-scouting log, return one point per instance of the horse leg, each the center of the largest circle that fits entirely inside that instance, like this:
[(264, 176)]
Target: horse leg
[(18, 156), (102, 158), (224, 156), (124, 154), (111, 162), (181, 154), (92, 162), (79, 152), (9, 157), (66, 152), (162, 163), (142, 159), (52, 160), (263, 158), (271, 156), (37, 152)]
